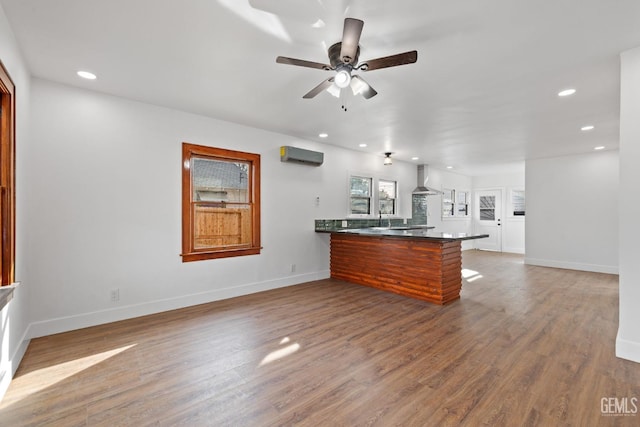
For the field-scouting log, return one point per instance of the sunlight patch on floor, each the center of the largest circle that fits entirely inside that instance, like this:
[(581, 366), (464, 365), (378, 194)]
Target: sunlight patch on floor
[(281, 352), (470, 275), (38, 380)]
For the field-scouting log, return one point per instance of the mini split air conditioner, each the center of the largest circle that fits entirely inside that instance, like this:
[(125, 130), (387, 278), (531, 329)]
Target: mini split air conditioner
[(299, 155)]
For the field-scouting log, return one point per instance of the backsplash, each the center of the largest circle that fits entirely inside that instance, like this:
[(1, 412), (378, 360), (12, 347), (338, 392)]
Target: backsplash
[(336, 224)]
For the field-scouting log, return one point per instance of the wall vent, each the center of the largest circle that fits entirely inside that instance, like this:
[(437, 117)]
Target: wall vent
[(299, 155)]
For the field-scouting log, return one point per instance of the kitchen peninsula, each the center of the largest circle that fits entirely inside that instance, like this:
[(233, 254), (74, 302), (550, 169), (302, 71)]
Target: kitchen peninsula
[(415, 262)]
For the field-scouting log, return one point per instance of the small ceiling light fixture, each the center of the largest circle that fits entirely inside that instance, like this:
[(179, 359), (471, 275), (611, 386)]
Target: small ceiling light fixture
[(387, 158), (586, 128), (323, 135), (566, 92), (449, 167), (415, 158), (87, 75), (600, 147), (362, 145)]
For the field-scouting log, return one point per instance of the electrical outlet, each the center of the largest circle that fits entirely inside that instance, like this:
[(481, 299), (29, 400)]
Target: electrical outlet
[(115, 295), (293, 268)]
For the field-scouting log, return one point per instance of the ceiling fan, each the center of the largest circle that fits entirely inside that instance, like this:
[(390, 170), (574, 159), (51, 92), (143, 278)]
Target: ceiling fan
[(343, 57)]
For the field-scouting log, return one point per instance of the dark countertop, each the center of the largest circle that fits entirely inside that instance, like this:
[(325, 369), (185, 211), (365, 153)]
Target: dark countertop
[(412, 233)]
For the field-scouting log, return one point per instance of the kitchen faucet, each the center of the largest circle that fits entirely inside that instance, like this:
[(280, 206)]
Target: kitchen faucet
[(380, 219)]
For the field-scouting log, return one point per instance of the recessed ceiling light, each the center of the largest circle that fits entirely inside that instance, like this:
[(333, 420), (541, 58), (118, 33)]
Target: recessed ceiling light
[(415, 158), (566, 92), (323, 135), (600, 147), (589, 127), (362, 145), (449, 167), (87, 75)]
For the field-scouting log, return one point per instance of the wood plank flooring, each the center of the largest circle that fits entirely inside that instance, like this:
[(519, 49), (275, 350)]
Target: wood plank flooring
[(524, 346)]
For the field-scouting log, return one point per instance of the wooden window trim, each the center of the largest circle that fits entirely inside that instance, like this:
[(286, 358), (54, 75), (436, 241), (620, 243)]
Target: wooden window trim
[(7, 178), (188, 251)]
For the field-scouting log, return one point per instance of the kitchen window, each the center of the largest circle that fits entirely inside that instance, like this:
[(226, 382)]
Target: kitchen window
[(360, 195), (517, 202), (220, 203), (387, 191), (455, 203), (448, 208), (462, 203)]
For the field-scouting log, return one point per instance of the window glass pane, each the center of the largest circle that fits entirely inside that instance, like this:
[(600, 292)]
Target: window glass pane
[(387, 189), (386, 197), (360, 205), (220, 181), (462, 204), (487, 208), (517, 202), (387, 207), (447, 202), (221, 226), (360, 186)]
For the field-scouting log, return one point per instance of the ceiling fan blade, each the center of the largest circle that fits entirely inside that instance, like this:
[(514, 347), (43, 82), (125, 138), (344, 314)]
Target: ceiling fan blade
[(350, 40), (316, 90), (390, 61), (360, 87), (302, 63)]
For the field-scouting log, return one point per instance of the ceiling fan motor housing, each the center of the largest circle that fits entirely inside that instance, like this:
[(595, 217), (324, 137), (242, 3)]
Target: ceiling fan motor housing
[(335, 59)]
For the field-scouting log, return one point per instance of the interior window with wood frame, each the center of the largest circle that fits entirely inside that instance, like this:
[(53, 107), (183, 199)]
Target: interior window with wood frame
[(7, 178), (220, 203)]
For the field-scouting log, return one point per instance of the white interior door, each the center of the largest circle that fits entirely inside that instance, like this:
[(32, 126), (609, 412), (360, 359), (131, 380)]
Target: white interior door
[(488, 219)]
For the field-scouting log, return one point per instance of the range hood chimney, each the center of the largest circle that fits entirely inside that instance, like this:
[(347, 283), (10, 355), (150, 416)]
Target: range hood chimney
[(423, 178)]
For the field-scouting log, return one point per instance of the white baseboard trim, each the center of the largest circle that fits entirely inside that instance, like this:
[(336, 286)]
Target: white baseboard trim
[(609, 269), (85, 320), (629, 350), (514, 250)]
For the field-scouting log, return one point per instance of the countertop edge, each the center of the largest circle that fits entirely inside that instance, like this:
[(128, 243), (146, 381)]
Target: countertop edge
[(365, 233)]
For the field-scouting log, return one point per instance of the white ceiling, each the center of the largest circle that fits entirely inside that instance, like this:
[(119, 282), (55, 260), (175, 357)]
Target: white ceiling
[(482, 96)]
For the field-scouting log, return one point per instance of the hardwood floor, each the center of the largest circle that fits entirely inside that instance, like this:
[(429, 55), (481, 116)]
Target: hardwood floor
[(524, 346)]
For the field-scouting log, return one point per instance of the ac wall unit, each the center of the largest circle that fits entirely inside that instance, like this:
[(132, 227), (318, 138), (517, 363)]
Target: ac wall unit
[(299, 155)]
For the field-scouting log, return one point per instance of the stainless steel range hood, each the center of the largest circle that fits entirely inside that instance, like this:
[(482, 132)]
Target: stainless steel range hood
[(423, 177)]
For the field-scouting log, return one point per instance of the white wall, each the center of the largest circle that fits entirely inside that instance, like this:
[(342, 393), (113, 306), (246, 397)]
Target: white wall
[(14, 317), (441, 179), (513, 228), (572, 212), (103, 209), (628, 340)]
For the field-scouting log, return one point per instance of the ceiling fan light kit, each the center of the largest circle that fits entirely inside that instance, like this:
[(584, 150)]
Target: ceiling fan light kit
[(342, 78), (343, 57)]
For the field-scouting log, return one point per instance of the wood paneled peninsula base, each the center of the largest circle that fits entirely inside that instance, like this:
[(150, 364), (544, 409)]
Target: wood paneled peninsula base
[(415, 263)]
